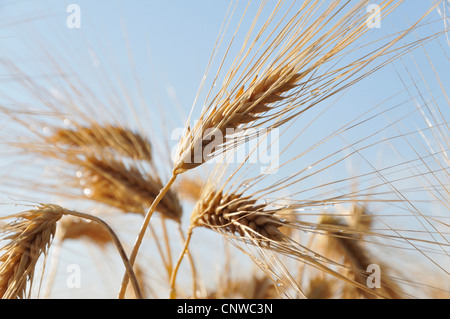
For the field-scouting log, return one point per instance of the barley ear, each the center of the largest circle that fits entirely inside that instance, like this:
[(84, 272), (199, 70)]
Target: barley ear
[(28, 238)]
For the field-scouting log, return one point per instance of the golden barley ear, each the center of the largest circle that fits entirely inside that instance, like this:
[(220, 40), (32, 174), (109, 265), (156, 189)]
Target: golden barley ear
[(295, 70), (235, 214), (28, 238), (246, 107)]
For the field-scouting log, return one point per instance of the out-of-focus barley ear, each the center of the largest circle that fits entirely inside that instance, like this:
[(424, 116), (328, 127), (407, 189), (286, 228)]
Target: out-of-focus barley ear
[(106, 163), (321, 288), (122, 185), (99, 154), (253, 287), (361, 221), (75, 228), (342, 240), (190, 188), (103, 138)]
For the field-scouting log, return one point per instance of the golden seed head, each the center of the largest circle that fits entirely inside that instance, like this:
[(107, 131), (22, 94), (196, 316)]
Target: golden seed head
[(234, 214), (29, 237)]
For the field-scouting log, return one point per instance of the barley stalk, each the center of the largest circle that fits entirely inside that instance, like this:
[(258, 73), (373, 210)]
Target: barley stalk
[(141, 234)]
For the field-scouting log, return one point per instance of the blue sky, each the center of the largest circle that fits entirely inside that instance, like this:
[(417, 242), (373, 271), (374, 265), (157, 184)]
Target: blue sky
[(177, 35)]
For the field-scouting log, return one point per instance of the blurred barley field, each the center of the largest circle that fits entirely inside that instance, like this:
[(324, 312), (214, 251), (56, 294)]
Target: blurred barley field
[(323, 130)]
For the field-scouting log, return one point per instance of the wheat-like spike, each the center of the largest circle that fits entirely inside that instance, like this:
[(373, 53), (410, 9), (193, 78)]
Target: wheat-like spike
[(348, 245), (233, 215), (268, 95), (247, 106), (360, 220), (320, 288), (29, 236), (75, 228), (255, 287), (125, 187), (96, 137), (190, 188), (236, 214)]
